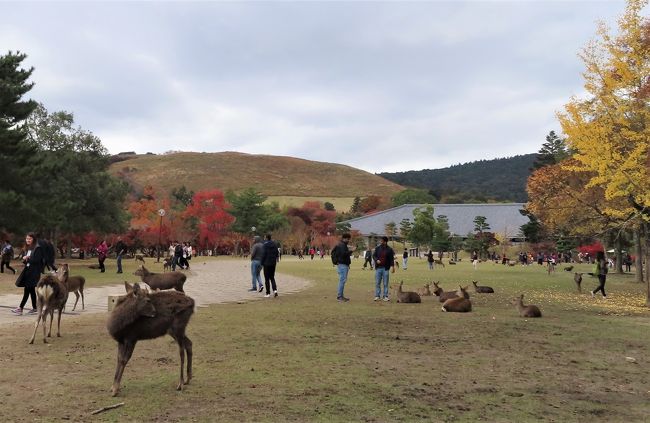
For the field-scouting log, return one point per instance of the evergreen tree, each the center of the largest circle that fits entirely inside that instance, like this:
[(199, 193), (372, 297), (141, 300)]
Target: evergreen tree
[(17, 157), (553, 151)]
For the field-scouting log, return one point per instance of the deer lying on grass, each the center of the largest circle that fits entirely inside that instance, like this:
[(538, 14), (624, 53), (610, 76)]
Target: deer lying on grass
[(73, 284), (426, 290), (162, 281), (526, 310), (143, 315), (577, 278), (51, 294), (461, 304), (568, 268), (482, 289), (442, 295), (407, 296)]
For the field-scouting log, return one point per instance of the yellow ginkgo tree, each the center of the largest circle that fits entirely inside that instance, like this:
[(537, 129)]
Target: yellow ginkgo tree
[(609, 128)]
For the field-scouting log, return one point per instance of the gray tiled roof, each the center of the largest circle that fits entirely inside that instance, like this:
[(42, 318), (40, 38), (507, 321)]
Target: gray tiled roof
[(502, 217)]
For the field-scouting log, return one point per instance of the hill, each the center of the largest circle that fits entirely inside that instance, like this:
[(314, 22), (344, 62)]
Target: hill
[(481, 181), (274, 176)]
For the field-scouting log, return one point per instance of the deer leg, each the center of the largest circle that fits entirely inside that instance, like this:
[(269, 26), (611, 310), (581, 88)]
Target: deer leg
[(58, 323), (83, 306), (51, 313), (181, 351), (124, 352), (188, 349), (75, 301), (38, 320)]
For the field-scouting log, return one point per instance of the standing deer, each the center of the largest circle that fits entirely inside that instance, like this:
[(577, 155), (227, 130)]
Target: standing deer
[(51, 294), (73, 284), (577, 278), (170, 280), (143, 315), (526, 310), (461, 304)]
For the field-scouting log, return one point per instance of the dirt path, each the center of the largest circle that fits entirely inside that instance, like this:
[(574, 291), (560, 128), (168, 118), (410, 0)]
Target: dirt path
[(209, 283)]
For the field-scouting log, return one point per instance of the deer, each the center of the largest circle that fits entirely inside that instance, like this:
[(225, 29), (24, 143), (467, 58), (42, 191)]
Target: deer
[(577, 278), (442, 295), (439, 262), (167, 264), (526, 310), (143, 315), (73, 284), (155, 281), (407, 296), (460, 304), (568, 268), (139, 257), (426, 290), (51, 294), (482, 289)]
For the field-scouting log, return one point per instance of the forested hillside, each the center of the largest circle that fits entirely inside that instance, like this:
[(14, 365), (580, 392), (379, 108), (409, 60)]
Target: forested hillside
[(481, 181)]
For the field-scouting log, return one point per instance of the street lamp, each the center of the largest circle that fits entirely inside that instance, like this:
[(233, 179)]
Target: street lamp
[(161, 213)]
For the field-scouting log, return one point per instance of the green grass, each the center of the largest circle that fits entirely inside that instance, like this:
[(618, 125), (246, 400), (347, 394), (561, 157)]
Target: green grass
[(305, 357), (341, 204)]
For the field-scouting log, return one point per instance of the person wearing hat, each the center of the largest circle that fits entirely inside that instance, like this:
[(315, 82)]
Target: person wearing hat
[(256, 264)]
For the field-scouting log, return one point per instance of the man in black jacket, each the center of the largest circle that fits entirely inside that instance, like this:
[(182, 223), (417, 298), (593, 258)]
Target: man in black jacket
[(341, 258), (120, 250), (384, 259)]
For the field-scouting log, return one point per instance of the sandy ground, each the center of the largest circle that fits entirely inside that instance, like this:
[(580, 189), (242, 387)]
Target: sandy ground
[(208, 283)]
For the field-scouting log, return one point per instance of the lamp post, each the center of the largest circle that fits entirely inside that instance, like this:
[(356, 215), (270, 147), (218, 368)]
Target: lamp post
[(161, 213)]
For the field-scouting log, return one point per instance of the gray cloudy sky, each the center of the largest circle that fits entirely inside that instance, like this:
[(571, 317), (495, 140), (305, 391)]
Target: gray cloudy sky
[(382, 86)]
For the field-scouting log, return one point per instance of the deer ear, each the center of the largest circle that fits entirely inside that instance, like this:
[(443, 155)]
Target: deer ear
[(128, 287)]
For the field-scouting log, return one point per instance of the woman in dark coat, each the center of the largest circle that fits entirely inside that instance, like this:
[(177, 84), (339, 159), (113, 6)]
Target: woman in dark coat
[(269, 260), (34, 261)]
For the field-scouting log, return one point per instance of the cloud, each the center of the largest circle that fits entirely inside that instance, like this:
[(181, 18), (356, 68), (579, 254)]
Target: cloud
[(387, 86)]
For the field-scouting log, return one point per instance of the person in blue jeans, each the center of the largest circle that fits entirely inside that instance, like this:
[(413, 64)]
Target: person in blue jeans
[(256, 264), (341, 259), (384, 257)]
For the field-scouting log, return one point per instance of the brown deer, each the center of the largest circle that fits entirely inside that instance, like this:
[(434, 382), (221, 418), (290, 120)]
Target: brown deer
[(526, 310), (169, 280), (461, 304), (442, 295), (482, 289), (407, 296), (143, 315), (73, 284), (51, 294), (167, 264), (426, 290), (577, 278)]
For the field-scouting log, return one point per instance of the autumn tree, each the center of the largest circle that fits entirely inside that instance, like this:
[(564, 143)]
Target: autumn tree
[(209, 212)]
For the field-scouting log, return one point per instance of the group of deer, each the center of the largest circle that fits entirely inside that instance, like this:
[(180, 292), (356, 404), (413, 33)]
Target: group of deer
[(458, 301)]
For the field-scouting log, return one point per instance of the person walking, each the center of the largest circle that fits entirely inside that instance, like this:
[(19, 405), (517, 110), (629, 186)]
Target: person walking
[(405, 259), (34, 260), (120, 250), (102, 251), (177, 260), (341, 259), (384, 257), (269, 261), (6, 257), (367, 257), (601, 272), (430, 259), (256, 264)]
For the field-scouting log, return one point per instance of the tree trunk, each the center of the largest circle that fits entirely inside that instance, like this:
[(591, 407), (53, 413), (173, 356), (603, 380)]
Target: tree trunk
[(638, 261), (619, 255), (647, 263)]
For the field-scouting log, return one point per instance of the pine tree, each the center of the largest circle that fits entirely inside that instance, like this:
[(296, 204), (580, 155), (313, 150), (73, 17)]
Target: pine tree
[(553, 151)]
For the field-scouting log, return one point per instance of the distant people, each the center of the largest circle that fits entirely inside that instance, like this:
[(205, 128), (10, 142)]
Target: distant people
[(120, 250), (256, 264), (405, 259), (6, 256), (601, 272), (34, 261), (177, 258), (627, 261), (185, 250), (269, 261), (430, 259), (341, 259), (312, 252), (475, 259), (102, 252), (384, 257), (367, 259)]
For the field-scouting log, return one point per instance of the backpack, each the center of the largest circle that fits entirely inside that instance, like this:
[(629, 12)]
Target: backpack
[(335, 255)]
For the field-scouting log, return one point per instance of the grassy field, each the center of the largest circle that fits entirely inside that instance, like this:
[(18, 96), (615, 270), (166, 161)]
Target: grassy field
[(306, 357), (340, 203)]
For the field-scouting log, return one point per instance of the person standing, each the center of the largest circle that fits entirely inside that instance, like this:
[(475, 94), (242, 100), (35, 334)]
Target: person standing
[(178, 256), (120, 250), (34, 260), (628, 262), (430, 259), (7, 256), (341, 259), (405, 259), (475, 259), (384, 257), (102, 251), (269, 261), (256, 263), (601, 271), (367, 257)]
